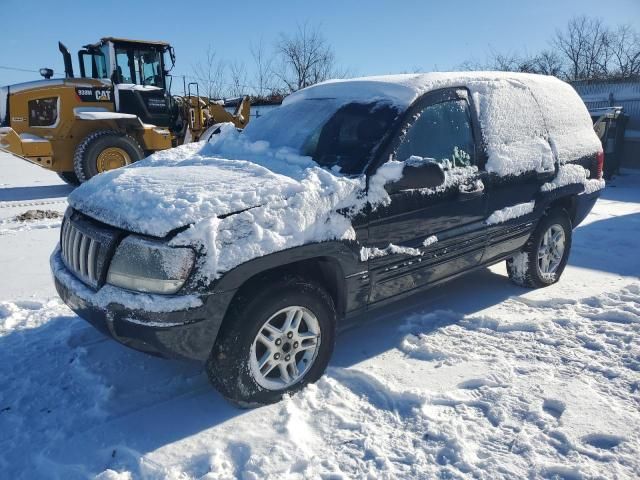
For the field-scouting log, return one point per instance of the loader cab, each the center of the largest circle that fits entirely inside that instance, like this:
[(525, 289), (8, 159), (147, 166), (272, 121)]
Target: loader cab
[(138, 71)]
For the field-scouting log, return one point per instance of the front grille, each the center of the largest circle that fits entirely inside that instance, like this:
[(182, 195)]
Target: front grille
[(86, 249)]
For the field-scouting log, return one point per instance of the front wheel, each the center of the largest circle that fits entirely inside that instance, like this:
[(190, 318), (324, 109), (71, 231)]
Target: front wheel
[(104, 150), (545, 255), (274, 343)]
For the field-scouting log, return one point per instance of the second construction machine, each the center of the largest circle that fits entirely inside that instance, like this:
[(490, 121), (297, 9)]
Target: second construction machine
[(117, 111)]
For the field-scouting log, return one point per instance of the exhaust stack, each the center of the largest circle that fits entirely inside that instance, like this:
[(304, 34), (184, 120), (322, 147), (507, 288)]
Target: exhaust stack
[(68, 66)]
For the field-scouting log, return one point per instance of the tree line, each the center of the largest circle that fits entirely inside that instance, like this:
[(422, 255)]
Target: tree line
[(586, 49)]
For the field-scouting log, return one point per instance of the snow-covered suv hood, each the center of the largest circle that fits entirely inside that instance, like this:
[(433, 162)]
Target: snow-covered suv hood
[(178, 188)]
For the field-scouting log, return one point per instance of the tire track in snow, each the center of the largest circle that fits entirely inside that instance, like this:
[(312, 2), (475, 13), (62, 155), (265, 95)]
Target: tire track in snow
[(34, 203)]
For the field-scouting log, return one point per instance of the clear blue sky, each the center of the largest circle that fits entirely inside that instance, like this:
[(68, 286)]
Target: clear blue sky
[(369, 37)]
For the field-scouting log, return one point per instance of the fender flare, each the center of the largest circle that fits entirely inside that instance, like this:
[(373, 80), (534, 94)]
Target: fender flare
[(344, 253)]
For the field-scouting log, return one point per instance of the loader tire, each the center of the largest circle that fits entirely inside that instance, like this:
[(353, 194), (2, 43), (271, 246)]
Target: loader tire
[(70, 178), (104, 150)]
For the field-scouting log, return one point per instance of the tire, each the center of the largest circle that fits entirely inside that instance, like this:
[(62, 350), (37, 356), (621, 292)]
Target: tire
[(70, 178), (86, 158), (531, 267), (229, 366)]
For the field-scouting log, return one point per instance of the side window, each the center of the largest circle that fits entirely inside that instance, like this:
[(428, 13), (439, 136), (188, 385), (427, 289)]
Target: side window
[(442, 131), (101, 66), (150, 67), (123, 67), (43, 112), (95, 65)]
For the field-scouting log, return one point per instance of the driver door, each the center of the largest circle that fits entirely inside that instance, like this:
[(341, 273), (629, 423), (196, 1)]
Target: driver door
[(139, 86), (441, 130)]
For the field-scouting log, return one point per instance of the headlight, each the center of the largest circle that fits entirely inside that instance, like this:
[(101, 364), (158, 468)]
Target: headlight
[(150, 266)]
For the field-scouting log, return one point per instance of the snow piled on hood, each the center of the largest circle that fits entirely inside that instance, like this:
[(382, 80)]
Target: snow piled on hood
[(163, 192), (181, 186), (320, 211)]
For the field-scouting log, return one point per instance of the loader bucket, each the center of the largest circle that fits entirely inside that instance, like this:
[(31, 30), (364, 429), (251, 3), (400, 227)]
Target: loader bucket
[(29, 147), (242, 113)]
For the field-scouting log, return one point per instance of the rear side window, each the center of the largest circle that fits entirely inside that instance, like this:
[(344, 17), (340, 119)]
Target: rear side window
[(513, 128), (442, 132), (43, 112)]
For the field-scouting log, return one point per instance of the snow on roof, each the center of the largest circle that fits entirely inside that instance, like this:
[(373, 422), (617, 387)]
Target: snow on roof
[(405, 88), (526, 119)]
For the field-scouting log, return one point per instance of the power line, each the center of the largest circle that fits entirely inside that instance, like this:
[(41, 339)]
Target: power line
[(17, 69)]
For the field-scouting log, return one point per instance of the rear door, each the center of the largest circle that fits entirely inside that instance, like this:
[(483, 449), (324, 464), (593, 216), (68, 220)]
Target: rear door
[(426, 235), (522, 161)]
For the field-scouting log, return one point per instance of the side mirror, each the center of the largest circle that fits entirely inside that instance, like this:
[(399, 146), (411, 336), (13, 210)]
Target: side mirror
[(417, 176)]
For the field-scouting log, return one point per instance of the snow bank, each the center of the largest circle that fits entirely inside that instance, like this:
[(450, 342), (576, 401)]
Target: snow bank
[(444, 394), (509, 213)]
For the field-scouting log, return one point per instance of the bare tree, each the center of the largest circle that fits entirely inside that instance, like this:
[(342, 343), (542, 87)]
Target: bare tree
[(470, 65), (585, 49), (210, 74), (263, 74), (304, 58), (548, 62), (624, 51), (238, 79), (512, 62), (584, 44)]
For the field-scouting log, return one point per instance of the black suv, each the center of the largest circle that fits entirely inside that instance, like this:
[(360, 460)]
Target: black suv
[(248, 252)]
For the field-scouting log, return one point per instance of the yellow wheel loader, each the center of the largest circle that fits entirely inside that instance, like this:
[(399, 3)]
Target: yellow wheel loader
[(116, 112)]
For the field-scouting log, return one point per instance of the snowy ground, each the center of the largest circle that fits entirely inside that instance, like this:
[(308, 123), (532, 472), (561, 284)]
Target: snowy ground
[(478, 378)]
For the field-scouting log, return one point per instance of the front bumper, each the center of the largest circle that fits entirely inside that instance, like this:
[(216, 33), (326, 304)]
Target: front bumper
[(168, 326)]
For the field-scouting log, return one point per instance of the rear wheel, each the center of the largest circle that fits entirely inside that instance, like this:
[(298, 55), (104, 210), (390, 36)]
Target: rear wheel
[(545, 255), (274, 343), (69, 177), (103, 151)]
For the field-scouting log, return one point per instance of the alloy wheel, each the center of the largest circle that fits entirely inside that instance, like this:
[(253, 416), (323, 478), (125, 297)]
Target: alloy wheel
[(551, 250), (285, 348)]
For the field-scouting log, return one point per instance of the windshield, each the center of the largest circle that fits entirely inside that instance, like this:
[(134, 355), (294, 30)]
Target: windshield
[(332, 133)]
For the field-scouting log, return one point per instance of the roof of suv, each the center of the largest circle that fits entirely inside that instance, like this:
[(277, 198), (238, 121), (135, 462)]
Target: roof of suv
[(402, 89), (522, 115)]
